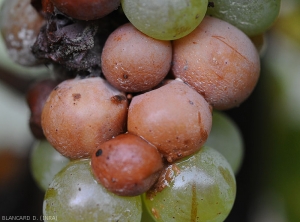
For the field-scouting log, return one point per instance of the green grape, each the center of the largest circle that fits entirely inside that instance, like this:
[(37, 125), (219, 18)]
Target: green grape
[(252, 17), (146, 216), (165, 20), (199, 188), (74, 195), (226, 138), (45, 163)]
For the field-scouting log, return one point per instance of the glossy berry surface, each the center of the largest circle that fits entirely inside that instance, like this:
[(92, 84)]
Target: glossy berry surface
[(86, 9), (127, 165)]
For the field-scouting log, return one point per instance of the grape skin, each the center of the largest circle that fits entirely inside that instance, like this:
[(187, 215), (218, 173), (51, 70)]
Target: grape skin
[(219, 61), (86, 9), (134, 62), (74, 195), (201, 188), (225, 137), (252, 17), (165, 20), (80, 114), (174, 118), (45, 163)]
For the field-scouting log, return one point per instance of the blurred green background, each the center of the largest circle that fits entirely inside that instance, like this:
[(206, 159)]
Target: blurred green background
[(269, 180)]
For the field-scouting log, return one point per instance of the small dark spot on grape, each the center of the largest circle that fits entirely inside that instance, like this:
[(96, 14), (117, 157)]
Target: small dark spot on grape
[(194, 42), (125, 76), (79, 189), (76, 96), (191, 102), (117, 99), (197, 16), (99, 153), (186, 142), (211, 4), (107, 157)]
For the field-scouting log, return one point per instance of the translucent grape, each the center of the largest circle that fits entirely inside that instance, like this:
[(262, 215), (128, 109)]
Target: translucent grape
[(45, 163), (226, 138), (198, 188), (252, 17), (165, 20), (74, 195)]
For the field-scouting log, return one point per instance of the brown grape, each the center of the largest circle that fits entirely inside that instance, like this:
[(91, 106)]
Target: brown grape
[(174, 118), (134, 62), (80, 114), (36, 96), (86, 9), (219, 61), (127, 165)]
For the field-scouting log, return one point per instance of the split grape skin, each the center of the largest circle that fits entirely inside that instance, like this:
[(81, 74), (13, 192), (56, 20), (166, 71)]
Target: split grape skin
[(127, 165), (80, 114)]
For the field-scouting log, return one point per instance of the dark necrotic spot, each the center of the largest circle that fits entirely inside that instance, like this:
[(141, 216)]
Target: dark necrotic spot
[(99, 153), (76, 96), (117, 99)]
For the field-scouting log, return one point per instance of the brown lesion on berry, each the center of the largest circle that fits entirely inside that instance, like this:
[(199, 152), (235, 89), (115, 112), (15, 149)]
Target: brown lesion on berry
[(76, 96), (117, 99), (99, 152), (166, 177), (125, 75)]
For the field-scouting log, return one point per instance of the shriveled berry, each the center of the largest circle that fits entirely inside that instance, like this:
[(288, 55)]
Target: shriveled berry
[(127, 165)]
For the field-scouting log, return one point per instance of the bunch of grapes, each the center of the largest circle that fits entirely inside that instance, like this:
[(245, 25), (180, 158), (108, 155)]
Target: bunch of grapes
[(130, 124)]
